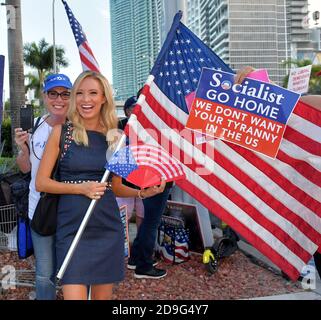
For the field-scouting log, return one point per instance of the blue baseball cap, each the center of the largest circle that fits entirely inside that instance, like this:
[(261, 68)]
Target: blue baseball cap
[(56, 80)]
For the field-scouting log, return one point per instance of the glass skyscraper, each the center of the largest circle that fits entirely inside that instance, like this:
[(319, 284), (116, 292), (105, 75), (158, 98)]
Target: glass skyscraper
[(135, 34)]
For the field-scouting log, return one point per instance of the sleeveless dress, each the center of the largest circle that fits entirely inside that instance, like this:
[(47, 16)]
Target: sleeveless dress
[(99, 256)]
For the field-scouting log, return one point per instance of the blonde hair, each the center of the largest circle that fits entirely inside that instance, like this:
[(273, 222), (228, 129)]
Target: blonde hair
[(107, 112)]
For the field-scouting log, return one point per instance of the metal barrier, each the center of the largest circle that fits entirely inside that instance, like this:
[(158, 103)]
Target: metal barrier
[(8, 227)]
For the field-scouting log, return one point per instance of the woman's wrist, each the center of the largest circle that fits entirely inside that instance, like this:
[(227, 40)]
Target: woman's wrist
[(140, 194)]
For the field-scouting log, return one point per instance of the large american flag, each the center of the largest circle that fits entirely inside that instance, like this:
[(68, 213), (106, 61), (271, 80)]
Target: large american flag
[(273, 204), (87, 58)]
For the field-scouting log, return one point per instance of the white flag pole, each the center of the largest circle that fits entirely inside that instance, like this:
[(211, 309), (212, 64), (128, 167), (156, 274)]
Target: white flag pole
[(85, 219)]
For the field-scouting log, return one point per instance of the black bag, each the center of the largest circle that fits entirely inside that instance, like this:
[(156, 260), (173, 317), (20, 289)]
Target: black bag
[(44, 220), (20, 194)]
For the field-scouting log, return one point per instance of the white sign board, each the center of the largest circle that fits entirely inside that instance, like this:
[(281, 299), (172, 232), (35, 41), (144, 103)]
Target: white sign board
[(299, 79)]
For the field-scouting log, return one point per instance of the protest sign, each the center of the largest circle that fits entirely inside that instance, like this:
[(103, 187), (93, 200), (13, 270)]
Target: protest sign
[(189, 214), (252, 114), (299, 79)]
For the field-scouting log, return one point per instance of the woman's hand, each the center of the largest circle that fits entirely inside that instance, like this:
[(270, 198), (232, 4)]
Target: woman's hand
[(242, 74), (93, 190), (21, 138), (152, 191)]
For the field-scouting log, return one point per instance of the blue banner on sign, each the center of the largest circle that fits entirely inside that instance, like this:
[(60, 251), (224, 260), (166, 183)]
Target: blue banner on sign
[(256, 97)]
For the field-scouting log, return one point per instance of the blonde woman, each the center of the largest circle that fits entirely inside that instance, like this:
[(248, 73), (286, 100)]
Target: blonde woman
[(98, 260)]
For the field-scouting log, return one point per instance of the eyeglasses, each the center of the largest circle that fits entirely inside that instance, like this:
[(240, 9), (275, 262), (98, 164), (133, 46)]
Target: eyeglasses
[(53, 95)]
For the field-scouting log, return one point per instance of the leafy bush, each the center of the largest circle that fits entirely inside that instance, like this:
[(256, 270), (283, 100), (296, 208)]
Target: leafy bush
[(6, 138), (8, 165)]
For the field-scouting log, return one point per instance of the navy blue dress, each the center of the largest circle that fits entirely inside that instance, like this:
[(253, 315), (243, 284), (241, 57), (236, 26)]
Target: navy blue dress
[(99, 256)]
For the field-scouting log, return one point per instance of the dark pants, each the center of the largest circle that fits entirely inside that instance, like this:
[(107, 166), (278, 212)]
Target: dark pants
[(143, 245), (317, 261)]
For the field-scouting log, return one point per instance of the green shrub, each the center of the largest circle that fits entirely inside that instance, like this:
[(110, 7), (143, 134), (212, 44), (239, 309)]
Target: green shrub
[(6, 138), (8, 165)]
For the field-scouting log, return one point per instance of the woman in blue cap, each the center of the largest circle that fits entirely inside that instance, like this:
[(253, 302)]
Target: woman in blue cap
[(56, 93)]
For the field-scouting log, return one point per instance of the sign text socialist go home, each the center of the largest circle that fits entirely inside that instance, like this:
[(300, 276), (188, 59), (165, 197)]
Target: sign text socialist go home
[(252, 114)]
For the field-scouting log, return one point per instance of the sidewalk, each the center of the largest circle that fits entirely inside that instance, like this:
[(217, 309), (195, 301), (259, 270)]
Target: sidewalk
[(310, 294), (256, 256)]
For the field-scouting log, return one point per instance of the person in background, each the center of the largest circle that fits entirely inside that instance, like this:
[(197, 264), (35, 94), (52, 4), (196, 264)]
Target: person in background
[(142, 250), (314, 101), (56, 99), (98, 259), (133, 204)]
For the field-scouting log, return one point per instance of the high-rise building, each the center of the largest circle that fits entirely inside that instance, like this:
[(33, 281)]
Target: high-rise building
[(123, 46), (245, 32), (135, 33), (302, 39), (259, 33)]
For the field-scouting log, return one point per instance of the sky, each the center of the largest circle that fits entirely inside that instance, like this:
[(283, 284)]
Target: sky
[(94, 17)]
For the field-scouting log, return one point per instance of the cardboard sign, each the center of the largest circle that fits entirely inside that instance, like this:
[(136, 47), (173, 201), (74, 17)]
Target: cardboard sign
[(252, 114), (299, 79), (189, 214)]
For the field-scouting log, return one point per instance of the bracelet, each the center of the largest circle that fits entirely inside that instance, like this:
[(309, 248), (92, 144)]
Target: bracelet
[(140, 195)]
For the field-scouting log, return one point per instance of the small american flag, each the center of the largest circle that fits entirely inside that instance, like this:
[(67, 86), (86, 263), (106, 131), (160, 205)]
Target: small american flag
[(274, 204), (87, 58), (145, 165)]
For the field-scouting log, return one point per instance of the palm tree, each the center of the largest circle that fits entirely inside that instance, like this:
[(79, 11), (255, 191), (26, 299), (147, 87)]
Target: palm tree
[(40, 57), (16, 79), (33, 83)]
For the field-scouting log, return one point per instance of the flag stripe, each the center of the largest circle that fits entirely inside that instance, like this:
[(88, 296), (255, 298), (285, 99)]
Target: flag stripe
[(297, 153), (264, 189), (302, 167), (87, 65), (303, 141), (311, 114), (87, 56)]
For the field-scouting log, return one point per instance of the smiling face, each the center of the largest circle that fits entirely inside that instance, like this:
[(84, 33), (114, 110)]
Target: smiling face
[(90, 98), (57, 101)]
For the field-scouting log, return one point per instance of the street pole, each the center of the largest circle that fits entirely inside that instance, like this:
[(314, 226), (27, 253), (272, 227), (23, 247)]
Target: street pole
[(15, 58), (54, 37)]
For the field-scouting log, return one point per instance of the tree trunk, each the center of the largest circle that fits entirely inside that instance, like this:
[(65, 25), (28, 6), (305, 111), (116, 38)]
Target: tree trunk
[(16, 72)]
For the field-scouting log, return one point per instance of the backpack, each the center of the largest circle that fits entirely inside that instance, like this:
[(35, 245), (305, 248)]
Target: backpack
[(173, 240)]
